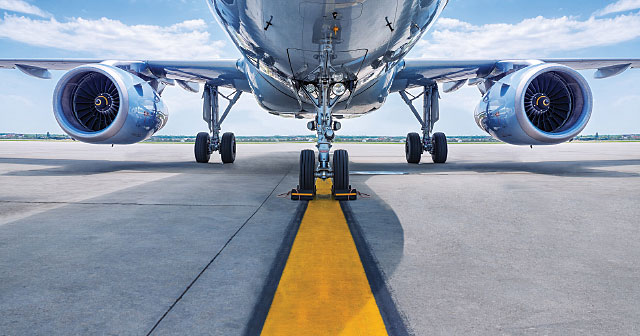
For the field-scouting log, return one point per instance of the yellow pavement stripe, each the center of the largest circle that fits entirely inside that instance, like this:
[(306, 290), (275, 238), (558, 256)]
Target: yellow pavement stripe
[(324, 289)]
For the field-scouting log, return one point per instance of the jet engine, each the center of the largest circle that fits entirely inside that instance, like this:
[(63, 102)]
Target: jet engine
[(542, 104), (103, 104)]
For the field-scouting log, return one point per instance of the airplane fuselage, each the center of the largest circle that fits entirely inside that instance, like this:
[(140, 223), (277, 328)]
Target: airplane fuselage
[(281, 41)]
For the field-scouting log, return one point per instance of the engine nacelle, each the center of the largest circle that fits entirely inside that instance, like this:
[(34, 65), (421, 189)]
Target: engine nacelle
[(543, 104), (103, 104)]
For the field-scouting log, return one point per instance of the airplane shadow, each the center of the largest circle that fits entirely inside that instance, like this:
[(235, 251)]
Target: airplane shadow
[(577, 168), (83, 167)]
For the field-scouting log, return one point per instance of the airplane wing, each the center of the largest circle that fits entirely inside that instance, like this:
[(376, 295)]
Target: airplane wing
[(218, 72), (454, 74)]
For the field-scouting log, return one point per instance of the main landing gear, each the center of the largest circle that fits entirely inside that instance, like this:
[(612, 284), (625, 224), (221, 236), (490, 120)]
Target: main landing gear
[(436, 143), (209, 142), (328, 88)]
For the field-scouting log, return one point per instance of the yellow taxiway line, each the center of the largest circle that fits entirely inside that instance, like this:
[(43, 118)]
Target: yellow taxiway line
[(324, 289)]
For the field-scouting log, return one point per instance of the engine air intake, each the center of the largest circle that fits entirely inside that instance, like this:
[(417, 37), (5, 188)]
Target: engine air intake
[(540, 104), (103, 104)]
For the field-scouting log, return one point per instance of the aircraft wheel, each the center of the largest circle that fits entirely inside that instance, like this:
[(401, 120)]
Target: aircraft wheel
[(341, 170), (228, 148), (307, 175), (413, 148), (439, 152), (203, 155)]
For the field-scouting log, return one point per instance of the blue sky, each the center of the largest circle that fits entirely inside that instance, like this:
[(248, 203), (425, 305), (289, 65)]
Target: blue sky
[(164, 29)]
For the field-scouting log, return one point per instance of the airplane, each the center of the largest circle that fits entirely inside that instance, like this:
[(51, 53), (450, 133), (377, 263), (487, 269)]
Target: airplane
[(324, 60)]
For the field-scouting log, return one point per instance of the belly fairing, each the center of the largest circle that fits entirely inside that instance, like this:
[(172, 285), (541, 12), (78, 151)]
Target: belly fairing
[(280, 41)]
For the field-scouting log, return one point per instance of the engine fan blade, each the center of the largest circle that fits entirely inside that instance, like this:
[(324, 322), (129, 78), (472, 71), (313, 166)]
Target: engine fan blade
[(96, 102), (548, 102)]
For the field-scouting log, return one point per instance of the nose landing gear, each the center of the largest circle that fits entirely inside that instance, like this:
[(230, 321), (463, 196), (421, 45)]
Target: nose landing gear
[(328, 88)]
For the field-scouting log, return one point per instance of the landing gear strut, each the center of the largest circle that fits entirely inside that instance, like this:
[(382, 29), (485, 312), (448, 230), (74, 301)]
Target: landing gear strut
[(209, 142), (436, 143)]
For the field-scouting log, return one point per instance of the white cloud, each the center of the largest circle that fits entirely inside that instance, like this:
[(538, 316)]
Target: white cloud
[(22, 7), (23, 101), (619, 6), (106, 38), (535, 37)]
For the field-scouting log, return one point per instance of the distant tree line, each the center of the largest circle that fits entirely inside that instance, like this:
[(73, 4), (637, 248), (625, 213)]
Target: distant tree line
[(312, 138)]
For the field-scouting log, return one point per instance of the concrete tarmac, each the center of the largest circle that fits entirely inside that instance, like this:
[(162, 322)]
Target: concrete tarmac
[(140, 239)]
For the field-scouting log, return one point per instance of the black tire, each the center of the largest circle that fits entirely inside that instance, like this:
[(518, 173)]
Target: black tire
[(440, 151), (413, 148), (341, 170), (201, 149), (228, 148), (307, 175)]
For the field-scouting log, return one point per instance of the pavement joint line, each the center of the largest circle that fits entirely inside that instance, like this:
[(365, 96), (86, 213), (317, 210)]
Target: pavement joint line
[(125, 203), (216, 256)]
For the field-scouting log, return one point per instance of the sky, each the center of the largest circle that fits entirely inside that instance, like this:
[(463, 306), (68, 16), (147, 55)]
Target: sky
[(186, 29)]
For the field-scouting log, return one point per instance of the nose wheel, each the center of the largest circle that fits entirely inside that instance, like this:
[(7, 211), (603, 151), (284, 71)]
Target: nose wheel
[(342, 190), (341, 170), (308, 176), (306, 190)]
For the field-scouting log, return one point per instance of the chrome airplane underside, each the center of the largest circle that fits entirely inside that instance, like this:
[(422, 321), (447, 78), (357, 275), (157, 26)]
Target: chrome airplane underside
[(324, 60), (284, 41)]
